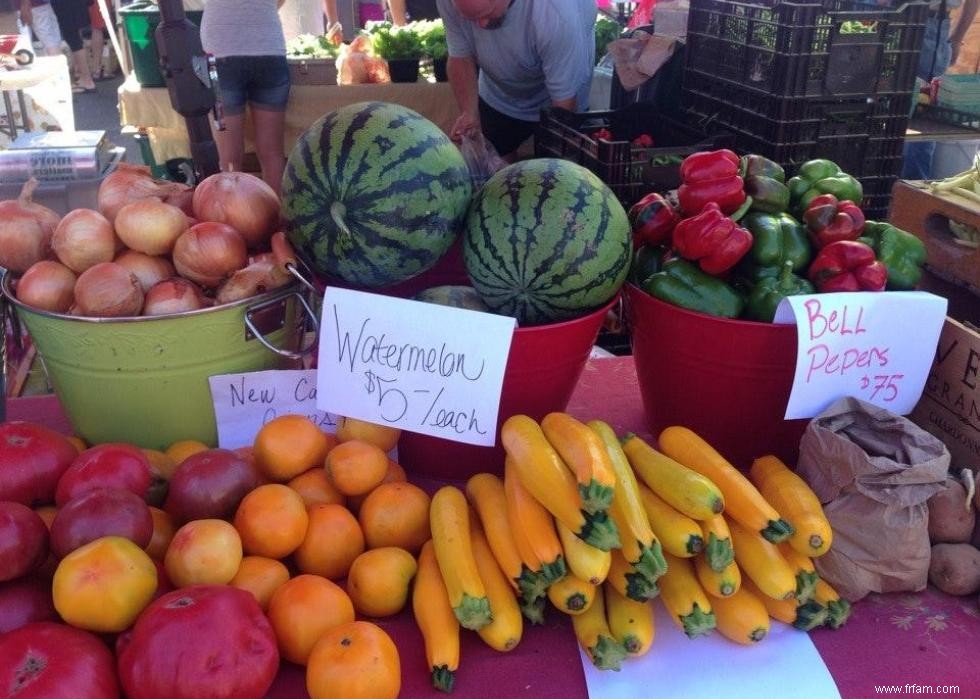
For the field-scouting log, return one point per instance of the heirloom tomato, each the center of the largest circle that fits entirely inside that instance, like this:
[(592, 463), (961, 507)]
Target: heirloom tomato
[(105, 466), (32, 459)]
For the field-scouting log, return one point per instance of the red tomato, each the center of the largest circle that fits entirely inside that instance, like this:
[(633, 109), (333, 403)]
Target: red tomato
[(32, 459), (105, 466), (23, 540), (199, 641), (44, 660), (25, 600)]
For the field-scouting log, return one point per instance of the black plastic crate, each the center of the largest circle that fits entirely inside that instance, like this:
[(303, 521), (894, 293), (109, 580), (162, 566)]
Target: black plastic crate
[(828, 48), (877, 197), (631, 171)]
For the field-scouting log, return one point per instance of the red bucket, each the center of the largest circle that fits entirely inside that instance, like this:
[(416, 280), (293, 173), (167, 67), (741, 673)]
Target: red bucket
[(543, 367), (728, 380)]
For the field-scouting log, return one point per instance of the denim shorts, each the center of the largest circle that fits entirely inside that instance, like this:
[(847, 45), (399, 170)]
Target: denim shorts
[(262, 81)]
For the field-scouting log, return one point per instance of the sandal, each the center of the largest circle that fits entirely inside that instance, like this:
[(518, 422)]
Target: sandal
[(78, 89), (102, 77)]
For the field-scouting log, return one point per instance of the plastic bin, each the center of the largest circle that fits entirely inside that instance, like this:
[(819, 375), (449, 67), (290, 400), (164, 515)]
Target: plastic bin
[(64, 196), (140, 20), (631, 171)]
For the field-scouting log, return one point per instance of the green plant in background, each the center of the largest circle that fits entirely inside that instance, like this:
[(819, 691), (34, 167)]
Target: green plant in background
[(432, 35), (606, 30), (394, 43), (311, 46)]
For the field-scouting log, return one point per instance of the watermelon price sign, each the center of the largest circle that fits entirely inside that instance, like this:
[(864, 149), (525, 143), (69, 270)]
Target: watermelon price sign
[(874, 346), (417, 366)]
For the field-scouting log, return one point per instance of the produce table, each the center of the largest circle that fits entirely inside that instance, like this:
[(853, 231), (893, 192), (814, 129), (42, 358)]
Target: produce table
[(924, 639), (149, 108)]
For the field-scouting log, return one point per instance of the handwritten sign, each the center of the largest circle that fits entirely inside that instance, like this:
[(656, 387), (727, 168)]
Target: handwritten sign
[(245, 402), (418, 366), (876, 347)]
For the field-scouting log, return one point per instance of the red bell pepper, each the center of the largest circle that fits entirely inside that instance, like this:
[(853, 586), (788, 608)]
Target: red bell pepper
[(602, 134), (715, 241), (711, 176), (652, 220), (847, 265), (829, 220), (644, 140)]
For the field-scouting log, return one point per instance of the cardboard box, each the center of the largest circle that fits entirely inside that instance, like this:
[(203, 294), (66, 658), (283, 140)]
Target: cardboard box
[(950, 403)]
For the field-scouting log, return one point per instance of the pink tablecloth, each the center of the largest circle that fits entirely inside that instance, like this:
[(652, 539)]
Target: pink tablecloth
[(926, 639)]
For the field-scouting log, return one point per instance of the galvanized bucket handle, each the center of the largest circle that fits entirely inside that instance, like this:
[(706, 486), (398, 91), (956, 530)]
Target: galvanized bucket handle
[(310, 316)]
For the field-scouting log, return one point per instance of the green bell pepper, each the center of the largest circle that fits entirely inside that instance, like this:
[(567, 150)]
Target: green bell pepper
[(902, 253), (820, 176), (768, 292), (776, 239), (647, 260), (683, 284), (764, 182)]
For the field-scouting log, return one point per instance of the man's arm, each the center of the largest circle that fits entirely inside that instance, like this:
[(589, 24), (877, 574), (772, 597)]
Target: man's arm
[(568, 104), (462, 72), (968, 11), (26, 14)]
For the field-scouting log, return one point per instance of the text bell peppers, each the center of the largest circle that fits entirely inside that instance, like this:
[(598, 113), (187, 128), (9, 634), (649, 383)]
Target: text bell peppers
[(902, 253), (769, 291), (829, 220), (710, 176), (711, 239), (682, 284), (819, 176), (652, 219), (847, 265), (777, 238), (765, 183)]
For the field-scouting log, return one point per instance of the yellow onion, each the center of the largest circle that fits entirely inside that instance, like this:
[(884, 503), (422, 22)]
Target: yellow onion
[(83, 238), (25, 230), (150, 226), (47, 285), (260, 276), (108, 290), (173, 296), (243, 201), (209, 253), (129, 183), (149, 269)]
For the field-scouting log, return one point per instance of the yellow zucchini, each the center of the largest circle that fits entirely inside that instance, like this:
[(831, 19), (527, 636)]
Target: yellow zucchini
[(838, 608), (582, 450), (584, 561), (723, 584), (548, 480), (806, 616), (631, 622), (530, 523), (682, 486), (640, 545), (629, 581), (685, 599), (449, 519), (572, 595), (485, 492), (503, 633), (761, 560), (806, 572), (718, 549), (743, 501), (679, 534), (436, 620), (595, 638), (796, 502), (741, 617)]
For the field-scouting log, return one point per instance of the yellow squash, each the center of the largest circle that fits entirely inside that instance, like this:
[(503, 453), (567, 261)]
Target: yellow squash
[(761, 560), (806, 616), (685, 599), (629, 581), (572, 595), (533, 528), (593, 634), (503, 632), (741, 617), (723, 584), (679, 534), (631, 622), (436, 620), (806, 572), (584, 561), (794, 500), (718, 549), (582, 450), (838, 608)]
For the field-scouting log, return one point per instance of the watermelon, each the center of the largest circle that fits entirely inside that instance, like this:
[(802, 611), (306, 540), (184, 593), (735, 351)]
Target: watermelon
[(454, 296), (546, 240), (374, 194)]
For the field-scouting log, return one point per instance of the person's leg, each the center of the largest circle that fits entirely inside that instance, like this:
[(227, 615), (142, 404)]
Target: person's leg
[(97, 46), (72, 18), (232, 79), (397, 10), (231, 142), (45, 27), (267, 95), (934, 59)]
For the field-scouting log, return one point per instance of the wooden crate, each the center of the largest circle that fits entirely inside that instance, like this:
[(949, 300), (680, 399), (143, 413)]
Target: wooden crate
[(312, 71), (927, 215)]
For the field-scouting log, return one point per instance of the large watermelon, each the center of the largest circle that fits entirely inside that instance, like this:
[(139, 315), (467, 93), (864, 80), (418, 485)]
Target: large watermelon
[(374, 193), (546, 240)]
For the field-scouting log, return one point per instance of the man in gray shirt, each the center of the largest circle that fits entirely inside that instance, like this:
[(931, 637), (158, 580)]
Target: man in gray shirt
[(508, 59)]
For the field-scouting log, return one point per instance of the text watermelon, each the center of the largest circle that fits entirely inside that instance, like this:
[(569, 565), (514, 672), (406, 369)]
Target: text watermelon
[(373, 194), (546, 240)]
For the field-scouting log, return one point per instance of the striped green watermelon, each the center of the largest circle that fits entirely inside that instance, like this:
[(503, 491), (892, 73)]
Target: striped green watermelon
[(374, 194), (546, 240)]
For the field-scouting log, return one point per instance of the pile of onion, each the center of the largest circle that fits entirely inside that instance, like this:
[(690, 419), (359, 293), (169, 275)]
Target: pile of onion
[(243, 201), (84, 238), (25, 230), (108, 290), (129, 183)]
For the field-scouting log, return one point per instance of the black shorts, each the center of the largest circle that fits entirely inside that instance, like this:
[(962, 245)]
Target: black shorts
[(262, 81), (421, 9), (505, 132), (72, 19)]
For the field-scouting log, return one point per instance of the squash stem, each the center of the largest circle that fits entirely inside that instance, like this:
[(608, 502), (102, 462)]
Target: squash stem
[(337, 212)]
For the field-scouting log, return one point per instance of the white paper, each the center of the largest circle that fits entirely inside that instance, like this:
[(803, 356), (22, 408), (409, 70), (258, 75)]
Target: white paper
[(245, 402), (418, 366), (874, 346), (785, 664)]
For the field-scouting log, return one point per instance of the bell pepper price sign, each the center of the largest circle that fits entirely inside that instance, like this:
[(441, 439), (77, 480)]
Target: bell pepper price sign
[(874, 346), (245, 402), (418, 366)]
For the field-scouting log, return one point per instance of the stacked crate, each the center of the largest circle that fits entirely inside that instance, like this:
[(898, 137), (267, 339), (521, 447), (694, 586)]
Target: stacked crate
[(807, 79)]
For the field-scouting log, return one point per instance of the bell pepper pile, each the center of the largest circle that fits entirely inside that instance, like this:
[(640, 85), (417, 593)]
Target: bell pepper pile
[(741, 237)]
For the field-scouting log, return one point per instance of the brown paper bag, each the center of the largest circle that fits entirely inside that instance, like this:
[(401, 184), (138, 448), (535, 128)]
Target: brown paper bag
[(873, 471)]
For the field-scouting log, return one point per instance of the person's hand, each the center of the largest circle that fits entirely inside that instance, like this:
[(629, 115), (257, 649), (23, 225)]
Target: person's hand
[(26, 16), (466, 123)]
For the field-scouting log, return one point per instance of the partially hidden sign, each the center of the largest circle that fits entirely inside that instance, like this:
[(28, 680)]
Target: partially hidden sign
[(245, 402), (874, 346), (417, 366)]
